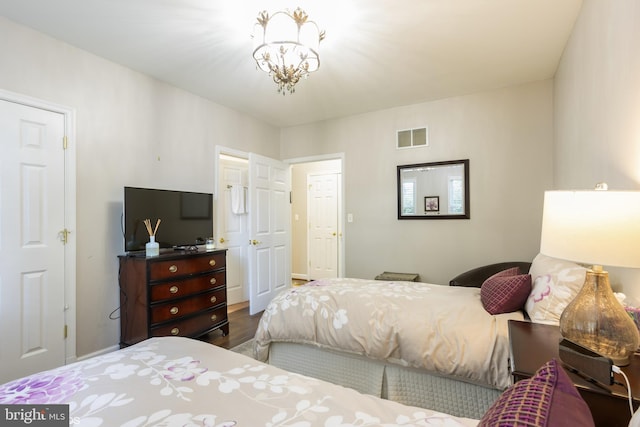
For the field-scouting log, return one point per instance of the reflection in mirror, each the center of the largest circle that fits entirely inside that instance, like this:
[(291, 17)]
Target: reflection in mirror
[(438, 190)]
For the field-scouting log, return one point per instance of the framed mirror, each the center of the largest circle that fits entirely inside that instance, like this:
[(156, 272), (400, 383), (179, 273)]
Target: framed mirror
[(438, 190)]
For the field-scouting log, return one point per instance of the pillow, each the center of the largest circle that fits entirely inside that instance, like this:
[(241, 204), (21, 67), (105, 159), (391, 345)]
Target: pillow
[(555, 283), (548, 399), (505, 291)]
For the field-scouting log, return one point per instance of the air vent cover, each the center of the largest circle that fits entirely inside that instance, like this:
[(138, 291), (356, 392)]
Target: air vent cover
[(410, 138)]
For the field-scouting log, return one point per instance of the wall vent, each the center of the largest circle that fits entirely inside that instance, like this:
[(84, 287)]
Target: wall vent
[(411, 138)]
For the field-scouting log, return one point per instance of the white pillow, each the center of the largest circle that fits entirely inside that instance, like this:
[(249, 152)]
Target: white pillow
[(554, 284)]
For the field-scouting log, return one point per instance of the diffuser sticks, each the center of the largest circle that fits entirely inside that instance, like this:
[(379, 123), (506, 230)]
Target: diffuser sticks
[(152, 248), (152, 232)]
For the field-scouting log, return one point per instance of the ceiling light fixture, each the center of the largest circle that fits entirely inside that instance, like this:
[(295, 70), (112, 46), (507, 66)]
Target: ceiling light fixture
[(286, 46)]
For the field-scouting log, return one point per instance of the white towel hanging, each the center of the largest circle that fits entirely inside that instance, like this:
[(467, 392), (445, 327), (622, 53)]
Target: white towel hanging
[(238, 200)]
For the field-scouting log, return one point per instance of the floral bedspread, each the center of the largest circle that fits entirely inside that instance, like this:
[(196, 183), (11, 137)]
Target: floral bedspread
[(174, 381), (443, 329)]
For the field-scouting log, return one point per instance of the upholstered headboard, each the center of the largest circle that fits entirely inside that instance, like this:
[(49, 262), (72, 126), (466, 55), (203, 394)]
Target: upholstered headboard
[(475, 277)]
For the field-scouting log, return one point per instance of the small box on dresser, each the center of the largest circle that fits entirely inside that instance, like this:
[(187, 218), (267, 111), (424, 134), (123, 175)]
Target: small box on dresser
[(175, 293)]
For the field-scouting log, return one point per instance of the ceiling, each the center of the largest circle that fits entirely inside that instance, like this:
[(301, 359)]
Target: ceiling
[(377, 54)]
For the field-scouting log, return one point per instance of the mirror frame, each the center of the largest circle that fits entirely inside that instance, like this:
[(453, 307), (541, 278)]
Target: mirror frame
[(467, 208)]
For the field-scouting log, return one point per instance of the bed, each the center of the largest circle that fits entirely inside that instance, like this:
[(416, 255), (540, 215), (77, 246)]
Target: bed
[(419, 344), (175, 381)]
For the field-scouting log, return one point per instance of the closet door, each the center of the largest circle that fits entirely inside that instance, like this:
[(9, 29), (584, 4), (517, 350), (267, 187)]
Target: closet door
[(322, 214), (32, 250)]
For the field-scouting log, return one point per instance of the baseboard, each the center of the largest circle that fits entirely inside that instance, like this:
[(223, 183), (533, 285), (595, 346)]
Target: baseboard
[(98, 353), (300, 276)]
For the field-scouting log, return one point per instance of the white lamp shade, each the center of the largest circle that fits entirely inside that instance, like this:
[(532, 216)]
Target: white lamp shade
[(592, 227)]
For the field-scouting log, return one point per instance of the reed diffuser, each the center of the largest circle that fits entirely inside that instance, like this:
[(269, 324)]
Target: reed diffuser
[(152, 247)]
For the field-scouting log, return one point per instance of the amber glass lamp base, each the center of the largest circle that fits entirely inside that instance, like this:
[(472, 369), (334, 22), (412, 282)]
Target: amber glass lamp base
[(596, 320)]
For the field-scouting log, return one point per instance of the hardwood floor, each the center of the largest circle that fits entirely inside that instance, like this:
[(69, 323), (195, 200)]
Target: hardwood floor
[(242, 327)]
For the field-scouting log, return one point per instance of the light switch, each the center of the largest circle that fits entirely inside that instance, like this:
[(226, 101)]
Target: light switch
[(349, 217)]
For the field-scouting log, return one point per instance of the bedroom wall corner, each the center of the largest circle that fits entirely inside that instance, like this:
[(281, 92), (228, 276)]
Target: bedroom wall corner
[(597, 108)]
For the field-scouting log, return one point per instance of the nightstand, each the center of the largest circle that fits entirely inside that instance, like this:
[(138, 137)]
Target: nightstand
[(533, 344)]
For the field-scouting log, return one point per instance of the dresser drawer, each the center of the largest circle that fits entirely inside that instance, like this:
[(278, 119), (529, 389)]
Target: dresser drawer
[(179, 308), (183, 267), (193, 326), (184, 287)]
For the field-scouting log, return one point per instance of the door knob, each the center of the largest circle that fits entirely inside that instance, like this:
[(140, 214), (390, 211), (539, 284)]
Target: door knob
[(222, 240), (254, 242)]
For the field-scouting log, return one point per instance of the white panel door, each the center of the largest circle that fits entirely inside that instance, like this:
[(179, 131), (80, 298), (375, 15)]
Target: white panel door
[(323, 225), (269, 230), (232, 229), (32, 255)]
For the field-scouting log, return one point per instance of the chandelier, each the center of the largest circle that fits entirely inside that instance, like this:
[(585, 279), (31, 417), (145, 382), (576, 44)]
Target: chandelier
[(286, 47)]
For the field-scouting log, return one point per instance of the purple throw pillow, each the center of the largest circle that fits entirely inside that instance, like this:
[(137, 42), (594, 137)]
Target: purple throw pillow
[(548, 399), (505, 291)]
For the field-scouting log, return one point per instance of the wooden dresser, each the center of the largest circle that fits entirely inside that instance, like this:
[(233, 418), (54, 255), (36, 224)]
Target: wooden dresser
[(175, 293)]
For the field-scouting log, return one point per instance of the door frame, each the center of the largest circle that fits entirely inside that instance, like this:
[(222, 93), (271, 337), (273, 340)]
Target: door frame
[(69, 209), (341, 200)]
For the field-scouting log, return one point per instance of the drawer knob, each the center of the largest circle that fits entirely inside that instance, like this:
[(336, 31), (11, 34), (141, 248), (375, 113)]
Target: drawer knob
[(173, 268), (214, 317), (175, 331), (213, 281), (214, 299), (173, 289), (174, 310), (212, 262)]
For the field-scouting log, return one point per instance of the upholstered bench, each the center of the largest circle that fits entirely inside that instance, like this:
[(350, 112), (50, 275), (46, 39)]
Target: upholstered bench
[(404, 277)]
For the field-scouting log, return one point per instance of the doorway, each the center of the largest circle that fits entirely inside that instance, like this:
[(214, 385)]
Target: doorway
[(316, 212), (232, 230), (232, 223), (253, 224)]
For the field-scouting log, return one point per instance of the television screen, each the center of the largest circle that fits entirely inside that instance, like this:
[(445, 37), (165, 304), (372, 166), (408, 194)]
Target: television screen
[(186, 217)]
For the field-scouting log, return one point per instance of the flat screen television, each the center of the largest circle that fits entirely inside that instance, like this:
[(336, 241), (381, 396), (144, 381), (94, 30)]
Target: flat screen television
[(186, 217)]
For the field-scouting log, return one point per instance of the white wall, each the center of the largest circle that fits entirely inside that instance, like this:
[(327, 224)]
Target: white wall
[(131, 130), (507, 135), (597, 107)]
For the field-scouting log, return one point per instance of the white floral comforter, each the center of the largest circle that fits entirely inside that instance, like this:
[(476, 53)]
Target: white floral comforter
[(443, 329), (173, 381)]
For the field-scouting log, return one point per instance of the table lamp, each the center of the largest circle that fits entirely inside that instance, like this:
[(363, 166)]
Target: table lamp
[(596, 227)]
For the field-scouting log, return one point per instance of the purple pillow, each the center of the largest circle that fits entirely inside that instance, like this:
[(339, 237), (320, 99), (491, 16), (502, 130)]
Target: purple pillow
[(548, 399), (505, 291)]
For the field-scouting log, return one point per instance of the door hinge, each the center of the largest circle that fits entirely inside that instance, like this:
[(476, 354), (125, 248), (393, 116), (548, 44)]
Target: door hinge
[(65, 142), (66, 330), (64, 236)]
